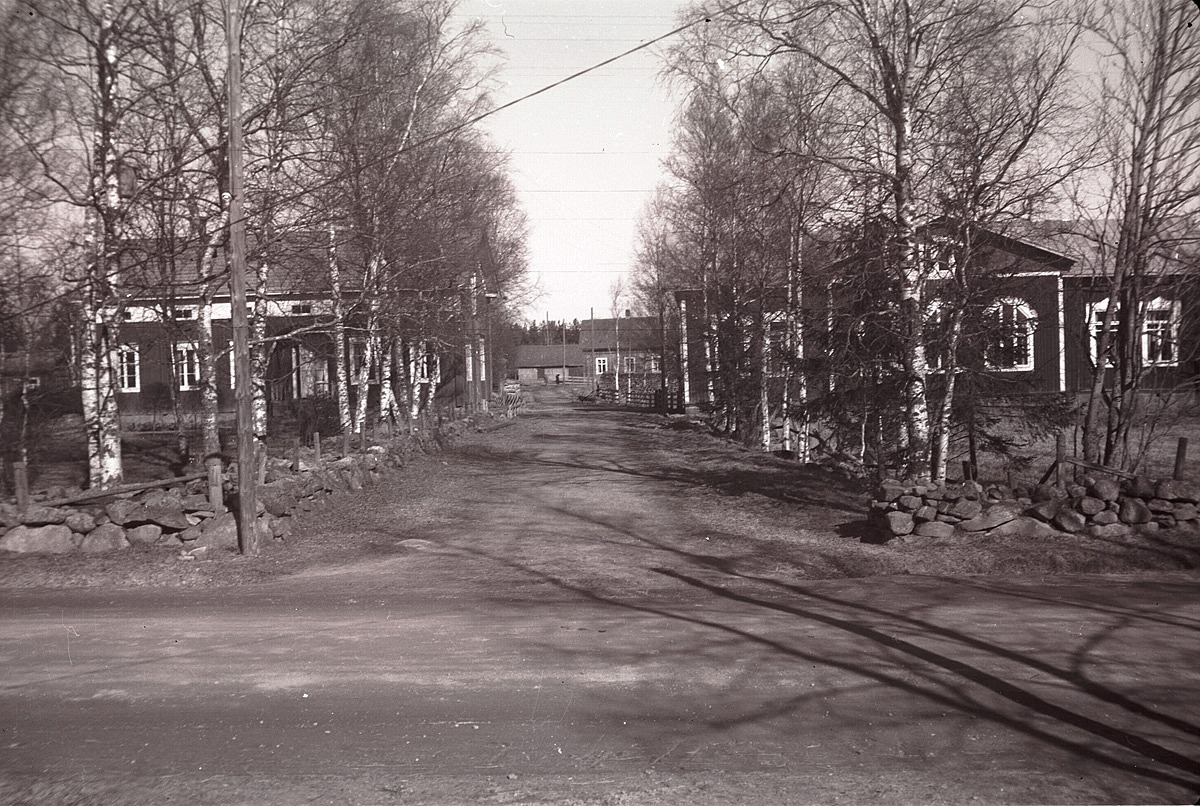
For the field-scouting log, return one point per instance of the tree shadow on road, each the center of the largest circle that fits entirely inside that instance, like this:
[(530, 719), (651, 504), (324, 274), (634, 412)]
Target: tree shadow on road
[(983, 679)]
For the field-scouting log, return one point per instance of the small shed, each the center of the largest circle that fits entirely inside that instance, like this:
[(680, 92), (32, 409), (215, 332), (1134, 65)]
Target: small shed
[(536, 362)]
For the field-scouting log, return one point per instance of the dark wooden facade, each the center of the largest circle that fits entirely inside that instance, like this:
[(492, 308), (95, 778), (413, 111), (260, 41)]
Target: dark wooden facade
[(1051, 287)]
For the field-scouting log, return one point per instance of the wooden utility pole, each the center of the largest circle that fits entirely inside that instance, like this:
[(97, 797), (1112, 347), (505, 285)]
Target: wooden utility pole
[(247, 534)]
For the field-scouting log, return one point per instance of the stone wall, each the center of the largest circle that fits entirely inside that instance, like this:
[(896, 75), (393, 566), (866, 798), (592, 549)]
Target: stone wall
[(180, 517), (1093, 506)]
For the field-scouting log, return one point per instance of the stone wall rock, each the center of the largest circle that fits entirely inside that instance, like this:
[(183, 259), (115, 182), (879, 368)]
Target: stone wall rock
[(1099, 507), (49, 539), (181, 516), (106, 537)]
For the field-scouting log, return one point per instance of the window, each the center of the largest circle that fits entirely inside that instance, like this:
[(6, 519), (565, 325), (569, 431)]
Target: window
[(653, 365), (182, 313), (936, 258), (1011, 323), (935, 336), (129, 368), (187, 366), (33, 384), (1159, 336), (301, 310), (601, 364), (1159, 332), (358, 357), (630, 363)]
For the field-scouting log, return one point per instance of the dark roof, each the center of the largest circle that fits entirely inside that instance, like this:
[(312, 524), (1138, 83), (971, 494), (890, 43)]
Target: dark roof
[(539, 355), (634, 332), (297, 263), (1093, 245)]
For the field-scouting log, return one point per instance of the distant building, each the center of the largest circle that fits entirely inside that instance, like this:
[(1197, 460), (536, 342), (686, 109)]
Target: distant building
[(157, 359), (548, 363), (627, 350)]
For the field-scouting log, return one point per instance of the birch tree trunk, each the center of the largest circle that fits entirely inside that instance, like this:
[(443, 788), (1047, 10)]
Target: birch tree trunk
[(916, 367), (99, 388), (940, 447), (101, 419), (388, 409), (340, 370), (260, 354), (370, 342), (764, 388), (416, 367)]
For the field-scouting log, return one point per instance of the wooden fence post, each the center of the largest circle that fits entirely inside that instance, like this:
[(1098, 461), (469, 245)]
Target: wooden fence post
[(21, 483), (261, 462), (216, 478), (1060, 459), (317, 447), (296, 455), (1180, 458)]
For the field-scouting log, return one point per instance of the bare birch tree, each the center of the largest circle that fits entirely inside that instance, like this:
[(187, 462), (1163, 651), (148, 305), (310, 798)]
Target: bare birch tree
[(1146, 213)]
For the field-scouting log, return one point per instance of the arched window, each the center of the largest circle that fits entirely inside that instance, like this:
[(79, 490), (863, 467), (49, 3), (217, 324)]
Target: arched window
[(1011, 324)]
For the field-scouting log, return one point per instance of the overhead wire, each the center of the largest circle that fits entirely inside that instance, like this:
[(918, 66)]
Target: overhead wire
[(471, 121)]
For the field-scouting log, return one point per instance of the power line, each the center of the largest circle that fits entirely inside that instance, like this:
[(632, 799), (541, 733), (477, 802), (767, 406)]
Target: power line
[(597, 66)]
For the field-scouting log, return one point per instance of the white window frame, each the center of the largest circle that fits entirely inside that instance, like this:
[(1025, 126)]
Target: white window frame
[(936, 258), (601, 365), (182, 313), (358, 353), (1172, 308), (187, 365), (128, 358), (630, 364), (1095, 311), (934, 309), (1155, 305), (1022, 308)]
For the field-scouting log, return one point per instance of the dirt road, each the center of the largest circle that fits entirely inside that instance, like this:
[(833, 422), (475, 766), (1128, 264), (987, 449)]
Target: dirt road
[(567, 611)]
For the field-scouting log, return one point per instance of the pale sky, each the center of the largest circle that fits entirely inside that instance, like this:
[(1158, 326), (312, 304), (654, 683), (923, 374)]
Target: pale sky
[(586, 155)]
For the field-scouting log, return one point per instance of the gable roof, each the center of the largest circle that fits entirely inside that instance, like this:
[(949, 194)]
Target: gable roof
[(1092, 245), (297, 263), (539, 355), (629, 332)]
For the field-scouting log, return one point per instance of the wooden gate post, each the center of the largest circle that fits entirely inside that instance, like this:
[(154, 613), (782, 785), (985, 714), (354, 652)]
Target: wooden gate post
[(216, 478), (1180, 458), (21, 483), (1060, 460)]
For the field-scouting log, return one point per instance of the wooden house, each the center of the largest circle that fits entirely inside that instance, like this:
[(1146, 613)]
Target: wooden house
[(1032, 308), (157, 362), (538, 363), (625, 351)]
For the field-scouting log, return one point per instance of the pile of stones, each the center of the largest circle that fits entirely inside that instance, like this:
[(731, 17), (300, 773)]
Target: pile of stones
[(182, 517), (1099, 507)]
